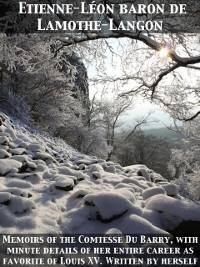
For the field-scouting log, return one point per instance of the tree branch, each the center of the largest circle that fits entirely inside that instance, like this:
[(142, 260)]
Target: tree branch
[(182, 61), (161, 76), (143, 121)]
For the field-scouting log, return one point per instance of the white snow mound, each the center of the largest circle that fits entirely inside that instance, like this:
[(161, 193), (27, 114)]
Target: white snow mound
[(47, 186)]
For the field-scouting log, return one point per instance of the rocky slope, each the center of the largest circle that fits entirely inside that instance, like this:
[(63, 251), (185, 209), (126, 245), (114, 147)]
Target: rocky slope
[(48, 187)]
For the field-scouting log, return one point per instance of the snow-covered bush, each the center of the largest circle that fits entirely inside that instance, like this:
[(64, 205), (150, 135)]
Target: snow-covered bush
[(51, 87), (14, 104), (185, 161), (88, 140)]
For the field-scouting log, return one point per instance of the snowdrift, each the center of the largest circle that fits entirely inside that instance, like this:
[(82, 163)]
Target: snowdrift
[(48, 187)]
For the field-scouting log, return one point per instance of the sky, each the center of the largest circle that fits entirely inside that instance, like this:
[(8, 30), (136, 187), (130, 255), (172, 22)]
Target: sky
[(141, 107)]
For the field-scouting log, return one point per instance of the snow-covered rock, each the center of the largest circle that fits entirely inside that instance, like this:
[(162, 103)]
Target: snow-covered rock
[(149, 192), (134, 224), (4, 154), (9, 165), (4, 140), (20, 205), (67, 171), (96, 175), (4, 197), (106, 197), (173, 211), (171, 189), (109, 205), (17, 151), (64, 183)]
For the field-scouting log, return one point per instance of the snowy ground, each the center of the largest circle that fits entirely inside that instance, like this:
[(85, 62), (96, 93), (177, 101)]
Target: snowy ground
[(47, 187)]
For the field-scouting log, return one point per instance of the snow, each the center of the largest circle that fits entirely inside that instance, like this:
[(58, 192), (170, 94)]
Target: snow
[(153, 191), (63, 181), (109, 168), (17, 151), (144, 173), (128, 193), (86, 161), (96, 168), (136, 182), (171, 189), (152, 216), (173, 211), (67, 171), (113, 231), (20, 204), (18, 183), (48, 187), (96, 175), (17, 191), (4, 140), (36, 147), (135, 224), (4, 197), (109, 205), (9, 165), (4, 154)]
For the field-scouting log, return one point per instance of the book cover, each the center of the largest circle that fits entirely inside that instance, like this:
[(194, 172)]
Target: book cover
[(99, 133)]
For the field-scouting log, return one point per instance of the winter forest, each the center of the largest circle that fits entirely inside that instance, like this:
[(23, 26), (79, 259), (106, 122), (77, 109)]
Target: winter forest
[(66, 153)]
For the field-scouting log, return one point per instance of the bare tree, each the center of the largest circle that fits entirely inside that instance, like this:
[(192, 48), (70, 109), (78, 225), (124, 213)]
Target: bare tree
[(145, 149), (112, 112), (172, 82), (167, 81), (108, 117)]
